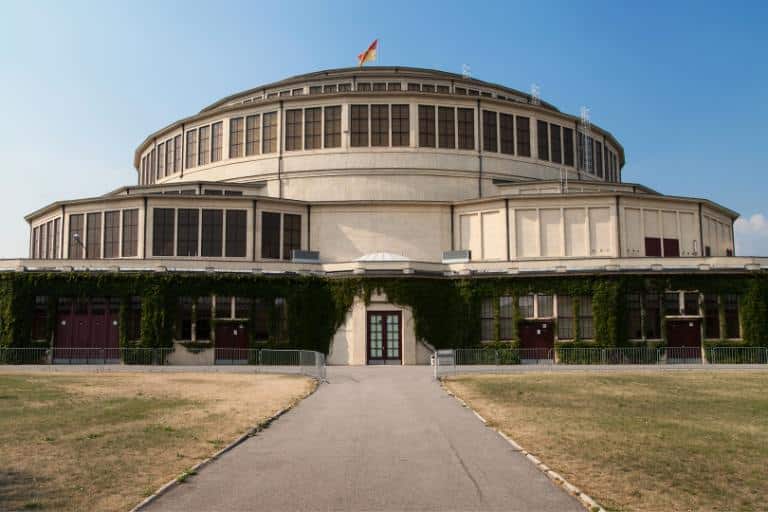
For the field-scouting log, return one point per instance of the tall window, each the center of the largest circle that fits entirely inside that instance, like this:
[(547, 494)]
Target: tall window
[(506, 318), (490, 135), (111, 234), (177, 153), (212, 233), (35, 243), (56, 231), (731, 306), (153, 163), (401, 125), (313, 128), (332, 127), (557, 149), (426, 126), (466, 117), (379, 125), (525, 303), (252, 135), (162, 231), (130, 233), (652, 318), (236, 233), (191, 149), (270, 235), (359, 126), (188, 224), (634, 317), (446, 127), (486, 320), (269, 144), (169, 158), (564, 317), (711, 317), (507, 131), (523, 136), (236, 134), (545, 306), (293, 124), (568, 146), (93, 248), (542, 134), (217, 141), (161, 161), (599, 159), (291, 234), (204, 146), (586, 325)]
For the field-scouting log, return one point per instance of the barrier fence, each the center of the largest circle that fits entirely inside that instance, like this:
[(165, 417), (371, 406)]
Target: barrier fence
[(489, 360), (305, 362)]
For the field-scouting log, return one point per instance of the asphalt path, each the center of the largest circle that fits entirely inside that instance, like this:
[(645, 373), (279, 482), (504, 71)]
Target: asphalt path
[(372, 439)]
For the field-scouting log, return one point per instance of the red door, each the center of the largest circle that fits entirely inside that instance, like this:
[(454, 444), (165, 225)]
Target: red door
[(231, 342), (537, 339), (684, 340)]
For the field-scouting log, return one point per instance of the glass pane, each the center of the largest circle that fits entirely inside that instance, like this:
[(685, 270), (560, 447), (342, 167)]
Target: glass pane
[(393, 337), (376, 335)]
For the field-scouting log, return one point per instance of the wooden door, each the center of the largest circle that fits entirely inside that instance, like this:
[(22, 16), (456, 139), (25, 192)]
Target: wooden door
[(384, 337), (537, 338), (231, 341)]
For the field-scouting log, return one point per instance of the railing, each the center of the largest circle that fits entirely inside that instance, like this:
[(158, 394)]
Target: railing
[(491, 360), (23, 355), (305, 362)]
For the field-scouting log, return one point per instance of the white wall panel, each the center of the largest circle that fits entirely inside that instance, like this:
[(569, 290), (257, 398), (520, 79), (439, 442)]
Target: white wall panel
[(689, 235), (494, 237), (633, 245), (651, 220), (599, 231), (669, 224), (470, 235), (551, 232), (575, 232), (527, 231)]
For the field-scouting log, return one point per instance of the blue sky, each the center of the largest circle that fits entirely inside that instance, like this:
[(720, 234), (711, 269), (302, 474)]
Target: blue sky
[(683, 86)]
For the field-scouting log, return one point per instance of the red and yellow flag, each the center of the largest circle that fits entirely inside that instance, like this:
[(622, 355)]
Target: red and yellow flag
[(369, 54)]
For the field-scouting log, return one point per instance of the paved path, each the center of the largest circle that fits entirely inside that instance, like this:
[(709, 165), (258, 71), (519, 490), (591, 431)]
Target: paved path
[(375, 439)]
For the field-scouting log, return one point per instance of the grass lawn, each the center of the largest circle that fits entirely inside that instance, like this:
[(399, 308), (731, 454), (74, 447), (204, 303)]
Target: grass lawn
[(642, 441), (105, 441)]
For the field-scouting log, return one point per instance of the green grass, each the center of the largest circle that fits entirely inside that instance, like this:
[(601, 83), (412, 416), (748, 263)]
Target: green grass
[(650, 441)]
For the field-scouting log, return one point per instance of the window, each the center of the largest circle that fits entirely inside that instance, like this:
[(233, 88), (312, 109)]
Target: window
[(56, 231), (204, 146), (315, 89), (213, 233), (280, 320), (184, 316), (40, 319), (93, 238), (443, 89), (203, 319), (169, 158), (223, 307), (111, 234), (525, 303), (393, 86), (35, 243), (242, 307), (162, 231), (731, 306), (711, 317), (426, 126), (486, 320), (507, 129), (260, 321), (359, 125), (557, 149), (427, 88), (293, 124), (466, 117), (634, 317), (671, 303), (237, 227), (379, 86), (564, 317), (506, 318), (652, 246), (236, 137), (671, 247), (130, 233), (161, 161), (191, 149), (332, 127), (401, 125), (586, 326), (652, 318), (446, 127), (329, 89), (177, 153), (313, 118), (269, 144), (523, 136), (291, 234), (580, 150), (599, 159), (345, 87), (188, 224), (542, 137), (490, 135), (691, 303), (568, 146), (270, 235), (412, 87), (379, 125), (545, 305), (589, 155), (364, 86), (153, 164), (252, 135)]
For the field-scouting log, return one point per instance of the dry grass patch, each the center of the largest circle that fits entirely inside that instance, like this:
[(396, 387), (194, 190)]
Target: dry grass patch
[(646, 441), (105, 441)]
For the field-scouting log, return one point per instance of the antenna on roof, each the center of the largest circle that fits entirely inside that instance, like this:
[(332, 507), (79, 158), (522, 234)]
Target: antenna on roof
[(586, 141), (535, 94), (466, 71)]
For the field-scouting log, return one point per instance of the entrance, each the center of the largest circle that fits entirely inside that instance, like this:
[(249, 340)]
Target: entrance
[(684, 340), (87, 331), (537, 339), (231, 342), (384, 337)]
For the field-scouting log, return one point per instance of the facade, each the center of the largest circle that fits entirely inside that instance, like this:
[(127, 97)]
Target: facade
[(392, 173)]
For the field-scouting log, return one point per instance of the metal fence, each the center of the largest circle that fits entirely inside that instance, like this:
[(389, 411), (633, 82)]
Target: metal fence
[(491, 360), (305, 362)]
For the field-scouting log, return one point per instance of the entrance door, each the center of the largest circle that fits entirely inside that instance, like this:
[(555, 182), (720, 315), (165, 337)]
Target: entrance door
[(384, 337), (537, 339), (231, 342), (684, 340)]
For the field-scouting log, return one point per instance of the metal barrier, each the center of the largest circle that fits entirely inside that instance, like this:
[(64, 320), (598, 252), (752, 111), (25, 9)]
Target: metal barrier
[(305, 362), (12, 355), (608, 355), (737, 355)]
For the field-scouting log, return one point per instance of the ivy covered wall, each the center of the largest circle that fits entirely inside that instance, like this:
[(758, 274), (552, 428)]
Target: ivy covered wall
[(446, 311)]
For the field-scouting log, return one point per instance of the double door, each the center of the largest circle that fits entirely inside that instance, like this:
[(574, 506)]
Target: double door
[(384, 337)]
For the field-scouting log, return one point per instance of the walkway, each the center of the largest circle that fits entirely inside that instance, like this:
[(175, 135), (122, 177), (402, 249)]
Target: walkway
[(374, 438)]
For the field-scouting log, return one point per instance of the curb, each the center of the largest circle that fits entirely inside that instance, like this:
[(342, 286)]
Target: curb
[(200, 465), (583, 498)]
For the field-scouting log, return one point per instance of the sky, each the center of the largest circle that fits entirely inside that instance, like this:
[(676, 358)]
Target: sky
[(683, 86)]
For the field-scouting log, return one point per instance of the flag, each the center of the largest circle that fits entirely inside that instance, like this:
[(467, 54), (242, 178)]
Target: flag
[(369, 54)]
